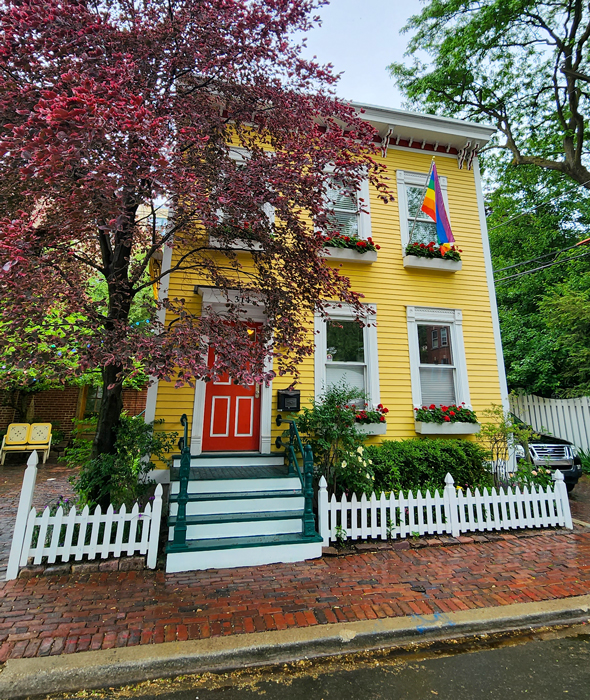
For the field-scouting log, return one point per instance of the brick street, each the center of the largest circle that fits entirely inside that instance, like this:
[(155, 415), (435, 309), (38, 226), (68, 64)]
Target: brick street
[(49, 615)]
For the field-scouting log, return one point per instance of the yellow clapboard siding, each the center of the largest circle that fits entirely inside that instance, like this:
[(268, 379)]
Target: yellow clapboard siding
[(391, 287)]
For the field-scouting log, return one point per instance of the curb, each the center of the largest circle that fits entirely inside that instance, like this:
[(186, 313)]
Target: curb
[(88, 670)]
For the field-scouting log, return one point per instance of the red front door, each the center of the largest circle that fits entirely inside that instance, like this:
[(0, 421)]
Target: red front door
[(232, 415)]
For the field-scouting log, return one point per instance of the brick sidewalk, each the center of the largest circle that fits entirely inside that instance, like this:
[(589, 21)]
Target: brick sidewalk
[(77, 612), (65, 614)]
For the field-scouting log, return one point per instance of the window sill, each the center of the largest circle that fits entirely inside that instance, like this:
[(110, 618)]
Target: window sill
[(347, 254), (372, 428), (434, 264), (446, 428)]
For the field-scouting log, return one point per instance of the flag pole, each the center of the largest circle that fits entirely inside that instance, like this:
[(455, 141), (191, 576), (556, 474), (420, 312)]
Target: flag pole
[(422, 197)]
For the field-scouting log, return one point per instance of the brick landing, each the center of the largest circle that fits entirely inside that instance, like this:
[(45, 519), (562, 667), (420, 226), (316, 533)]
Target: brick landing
[(52, 615)]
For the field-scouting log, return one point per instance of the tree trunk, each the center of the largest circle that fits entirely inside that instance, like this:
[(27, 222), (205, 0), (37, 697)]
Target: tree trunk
[(109, 415)]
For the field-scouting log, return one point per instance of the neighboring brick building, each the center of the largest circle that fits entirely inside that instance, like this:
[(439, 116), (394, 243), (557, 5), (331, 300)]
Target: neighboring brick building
[(63, 405)]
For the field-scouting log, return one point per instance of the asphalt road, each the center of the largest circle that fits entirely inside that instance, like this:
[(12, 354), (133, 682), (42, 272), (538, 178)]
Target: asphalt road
[(557, 666)]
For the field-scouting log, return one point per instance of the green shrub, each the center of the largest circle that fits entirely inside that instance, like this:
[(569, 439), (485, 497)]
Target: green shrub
[(330, 428), (121, 477), (409, 465)]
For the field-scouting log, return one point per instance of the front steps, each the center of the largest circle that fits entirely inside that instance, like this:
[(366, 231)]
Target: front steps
[(243, 510)]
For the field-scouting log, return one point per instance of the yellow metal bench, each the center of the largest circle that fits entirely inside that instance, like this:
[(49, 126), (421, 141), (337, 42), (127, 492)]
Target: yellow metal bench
[(26, 437)]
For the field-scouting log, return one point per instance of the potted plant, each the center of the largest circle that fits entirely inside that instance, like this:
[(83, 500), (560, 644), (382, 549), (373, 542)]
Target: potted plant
[(446, 420), (341, 247), (433, 256)]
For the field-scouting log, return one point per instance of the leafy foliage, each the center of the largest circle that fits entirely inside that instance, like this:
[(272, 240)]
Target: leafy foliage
[(409, 465), (121, 477), (521, 65), (330, 428), (445, 414), (533, 216), (104, 112), (433, 250)]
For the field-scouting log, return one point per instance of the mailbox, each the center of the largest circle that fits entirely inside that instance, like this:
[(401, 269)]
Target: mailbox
[(289, 400)]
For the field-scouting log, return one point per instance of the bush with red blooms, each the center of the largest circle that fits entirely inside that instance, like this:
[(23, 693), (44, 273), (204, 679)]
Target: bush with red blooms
[(361, 245), (445, 414), (433, 250), (377, 415)]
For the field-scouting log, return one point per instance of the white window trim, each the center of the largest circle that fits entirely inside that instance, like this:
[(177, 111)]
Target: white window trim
[(364, 217), (454, 319), (346, 313), (405, 178)]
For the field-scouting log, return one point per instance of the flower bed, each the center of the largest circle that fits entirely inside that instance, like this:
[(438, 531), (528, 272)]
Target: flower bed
[(445, 414), (432, 251), (377, 415)]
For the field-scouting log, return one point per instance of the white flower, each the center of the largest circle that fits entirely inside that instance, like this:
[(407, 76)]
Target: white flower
[(359, 449), (364, 463), (370, 461), (343, 464)]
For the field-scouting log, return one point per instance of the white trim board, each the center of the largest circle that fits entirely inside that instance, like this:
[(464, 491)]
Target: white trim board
[(487, 255), (346, 313)]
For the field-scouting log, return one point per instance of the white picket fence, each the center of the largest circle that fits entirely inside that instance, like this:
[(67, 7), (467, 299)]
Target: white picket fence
[(452, 512), (568, 419), (80, 534)]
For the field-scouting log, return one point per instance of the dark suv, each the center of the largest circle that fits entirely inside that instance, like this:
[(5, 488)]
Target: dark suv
[(554, 453)]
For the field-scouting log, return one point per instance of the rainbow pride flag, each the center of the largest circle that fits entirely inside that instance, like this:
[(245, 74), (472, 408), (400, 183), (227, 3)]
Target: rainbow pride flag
[(434, 206)]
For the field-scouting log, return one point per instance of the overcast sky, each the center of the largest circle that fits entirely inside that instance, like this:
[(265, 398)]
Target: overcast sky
[(361, 38)]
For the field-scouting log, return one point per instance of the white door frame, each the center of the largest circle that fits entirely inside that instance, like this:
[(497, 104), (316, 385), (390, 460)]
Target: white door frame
[(217, 300)]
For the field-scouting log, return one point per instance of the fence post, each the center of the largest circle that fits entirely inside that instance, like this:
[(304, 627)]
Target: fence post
[(323, 522), (562, 499), (450, 504), (308, 519), (152, 553), (24, 507)]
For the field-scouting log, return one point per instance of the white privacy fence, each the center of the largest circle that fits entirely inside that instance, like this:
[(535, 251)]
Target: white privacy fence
[(452, 512), (79, 534), (568, 419)]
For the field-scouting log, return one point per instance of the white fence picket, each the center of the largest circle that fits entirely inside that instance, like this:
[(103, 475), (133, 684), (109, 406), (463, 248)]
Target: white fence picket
[(64, 536), (568, 419), (455, 511)]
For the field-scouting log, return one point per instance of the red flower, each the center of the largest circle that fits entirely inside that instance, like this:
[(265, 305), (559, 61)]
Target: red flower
[(444, 408), (425, 408), (452, 413), (432, 407), (382, 419), (447, 419), (385, 410), (422, 245), (415, 409), (378, 247)]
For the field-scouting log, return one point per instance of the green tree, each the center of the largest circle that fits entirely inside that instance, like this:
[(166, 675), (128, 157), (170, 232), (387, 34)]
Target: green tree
[(520, 64), (532, 215)]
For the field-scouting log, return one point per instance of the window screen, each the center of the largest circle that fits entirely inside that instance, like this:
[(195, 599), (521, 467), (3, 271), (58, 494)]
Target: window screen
[(437, 373), (344, 216)]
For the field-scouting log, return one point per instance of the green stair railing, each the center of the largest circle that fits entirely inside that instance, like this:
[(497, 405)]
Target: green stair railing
[(184, 476), (306, 476)]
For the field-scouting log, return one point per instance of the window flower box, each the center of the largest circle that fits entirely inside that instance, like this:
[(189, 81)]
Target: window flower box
[(372, 428), (423, 428), (350, 248), (434, 264), (348, 255), (432, 256), (445, 420)]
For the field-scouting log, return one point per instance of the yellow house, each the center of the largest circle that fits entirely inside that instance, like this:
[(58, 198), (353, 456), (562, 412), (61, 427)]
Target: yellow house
[(435, 340)]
